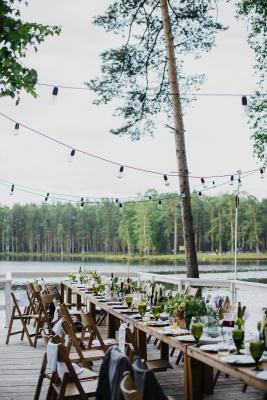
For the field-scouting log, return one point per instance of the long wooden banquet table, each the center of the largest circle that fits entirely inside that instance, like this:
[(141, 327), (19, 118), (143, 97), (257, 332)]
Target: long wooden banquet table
[(198, 365)]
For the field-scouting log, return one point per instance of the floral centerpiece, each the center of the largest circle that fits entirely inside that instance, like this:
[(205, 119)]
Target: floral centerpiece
[(184, 307)]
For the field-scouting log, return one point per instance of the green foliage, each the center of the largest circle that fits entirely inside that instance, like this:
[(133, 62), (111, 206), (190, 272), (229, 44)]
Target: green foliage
[(141, 228), (185, 306), (16, 37), (255, 13), (136, 72)]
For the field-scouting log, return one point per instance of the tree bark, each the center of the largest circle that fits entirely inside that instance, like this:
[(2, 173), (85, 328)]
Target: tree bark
[(187, 217)]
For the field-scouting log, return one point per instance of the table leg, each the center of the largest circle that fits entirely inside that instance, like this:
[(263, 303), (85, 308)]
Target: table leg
[(62, 290), (69, 296), (207, 375), (194, 374), (164, 351), (79, 301), (186, 388), (141, 344), (92, 309), (112, 324)]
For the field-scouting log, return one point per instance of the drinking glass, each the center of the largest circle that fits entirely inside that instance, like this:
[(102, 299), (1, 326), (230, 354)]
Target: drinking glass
[(161, 305), (238, 338), (197, 330), (142, 309), (256, 348), (129, 300), (156, 311)]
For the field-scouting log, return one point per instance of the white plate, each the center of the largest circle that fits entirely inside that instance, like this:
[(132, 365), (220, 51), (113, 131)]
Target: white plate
[(239, 359), (213, 348), (262, 375)]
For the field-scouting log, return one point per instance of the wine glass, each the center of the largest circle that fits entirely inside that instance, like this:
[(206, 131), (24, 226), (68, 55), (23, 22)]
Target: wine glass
[(161, 305), (156, 311), (256, 348), (197, 330), (142, 309), (238, 338), (129, 300)]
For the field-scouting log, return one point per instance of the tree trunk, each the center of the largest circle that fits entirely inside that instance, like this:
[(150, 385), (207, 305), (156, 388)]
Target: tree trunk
[(187, 217), (175, 235)]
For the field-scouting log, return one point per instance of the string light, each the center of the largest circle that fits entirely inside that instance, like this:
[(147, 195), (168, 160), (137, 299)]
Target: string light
[(120, 174), (203, 182), (183, 194), (71, 155), (244, 101), (142, 97), (55, 91), (16, 129), (82, 202), (213, 183), (150, 198), (71, 198), (120, 207), (167, 183), (12, 190), (105, 159), (262, 171), (239, 181), (199, 194), (159, 204)]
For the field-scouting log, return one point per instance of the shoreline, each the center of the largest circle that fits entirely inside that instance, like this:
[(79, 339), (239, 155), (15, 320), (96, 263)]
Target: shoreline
[(180, 258)]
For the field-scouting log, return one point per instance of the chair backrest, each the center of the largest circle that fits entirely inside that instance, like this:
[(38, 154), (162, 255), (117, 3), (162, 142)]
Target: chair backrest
[(192, 291), (64, 312), (91, 328), (146, 382), (128, 389), (68, 329)]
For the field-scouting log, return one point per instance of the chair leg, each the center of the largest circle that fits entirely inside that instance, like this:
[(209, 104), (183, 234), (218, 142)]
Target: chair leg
[(179, 358), (41, 378), (10, 325), (172, 351), (215, 379), (148, 338), (244, 388), (156, 341)]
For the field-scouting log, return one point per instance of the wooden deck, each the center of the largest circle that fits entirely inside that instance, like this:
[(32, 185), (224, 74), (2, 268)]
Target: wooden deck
[(20, 365)]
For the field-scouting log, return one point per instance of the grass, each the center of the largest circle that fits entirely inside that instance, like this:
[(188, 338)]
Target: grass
[(180, 258)]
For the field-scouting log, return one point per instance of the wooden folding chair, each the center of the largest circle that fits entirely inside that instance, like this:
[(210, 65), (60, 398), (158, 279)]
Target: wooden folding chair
[(44, 320), (85, 357), (95, 339), (127, 387), (192, 291), (17, 314), (68, 315), (44, 374)]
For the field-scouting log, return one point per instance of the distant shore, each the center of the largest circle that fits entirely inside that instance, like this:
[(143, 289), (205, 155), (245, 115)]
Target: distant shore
[(180, 258)]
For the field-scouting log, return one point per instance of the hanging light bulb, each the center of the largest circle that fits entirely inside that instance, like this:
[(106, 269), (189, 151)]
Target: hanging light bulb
[(150, 198), (46, 197), (120, 207), (55, 91), (140, 100), (262, 171), (213, 183), (159, 205), (203, 182), (199, 194), (16, 129), (12, 190), (142, 97), (232, 178), (244, 102), (183, 194), (120, 174), (71, 155), (167, 183), (117, 201), (239, 181), (82, 203)]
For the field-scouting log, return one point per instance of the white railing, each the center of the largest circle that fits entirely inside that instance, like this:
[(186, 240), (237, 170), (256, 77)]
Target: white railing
[(181, 283), (5, 284)]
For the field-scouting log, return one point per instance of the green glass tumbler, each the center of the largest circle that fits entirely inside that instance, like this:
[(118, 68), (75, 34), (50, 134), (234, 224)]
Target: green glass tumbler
[(256, 349), (156, 311), (142, 309), (197, 330), (129, 300), (238, 338)]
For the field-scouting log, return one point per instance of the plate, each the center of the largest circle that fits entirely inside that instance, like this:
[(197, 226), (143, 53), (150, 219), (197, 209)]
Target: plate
[(213, 348), (157, 323), (262, 375), (176, 332), (239, 359)]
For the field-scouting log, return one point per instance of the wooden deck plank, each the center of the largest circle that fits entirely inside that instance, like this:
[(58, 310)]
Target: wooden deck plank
[(20, 365)]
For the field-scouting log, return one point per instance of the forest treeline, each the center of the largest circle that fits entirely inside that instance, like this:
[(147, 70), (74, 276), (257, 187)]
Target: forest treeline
[(140, 228)]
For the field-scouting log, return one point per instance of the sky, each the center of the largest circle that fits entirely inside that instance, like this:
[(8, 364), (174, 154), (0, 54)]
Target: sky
[(217, 135)]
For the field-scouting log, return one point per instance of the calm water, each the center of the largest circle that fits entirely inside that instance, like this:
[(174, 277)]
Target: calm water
[(247, 271)]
